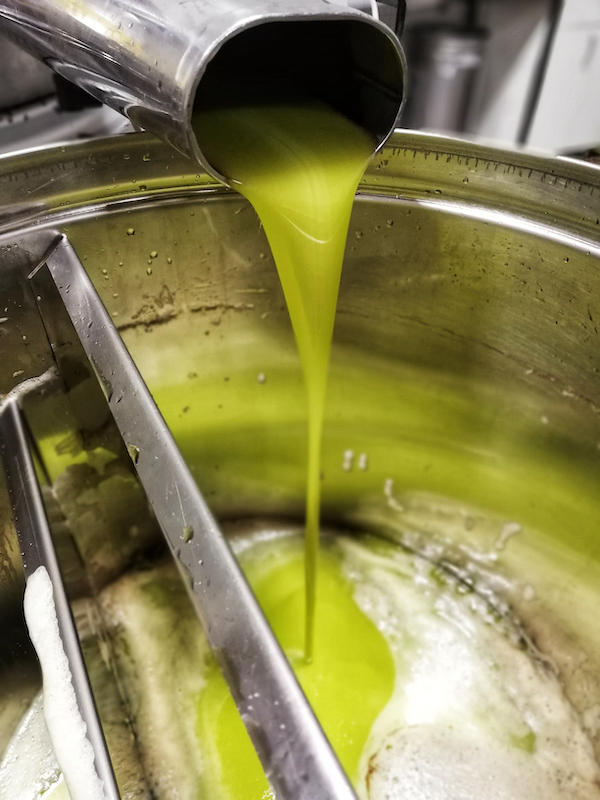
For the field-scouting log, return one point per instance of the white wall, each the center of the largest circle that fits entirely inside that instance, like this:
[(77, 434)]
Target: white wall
[(568, 113), (518, 30), (567, 117)]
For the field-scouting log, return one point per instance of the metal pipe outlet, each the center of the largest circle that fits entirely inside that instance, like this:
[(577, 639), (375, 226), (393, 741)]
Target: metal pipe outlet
[(147, 59)]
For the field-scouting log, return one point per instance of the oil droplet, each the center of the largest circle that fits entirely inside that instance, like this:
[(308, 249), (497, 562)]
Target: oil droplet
[(134, 453), (149, 269), (169, 260), (509, 530), (130, 231), (153, 254), (348, 462), (187, 534), (388, 490), (528, 592)]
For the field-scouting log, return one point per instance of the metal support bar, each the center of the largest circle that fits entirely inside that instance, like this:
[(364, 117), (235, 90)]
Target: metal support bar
[(295, 753), (37, 549)]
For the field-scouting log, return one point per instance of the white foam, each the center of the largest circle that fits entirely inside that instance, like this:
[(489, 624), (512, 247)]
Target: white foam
[(29, 768), (67, 729), (473, 715)]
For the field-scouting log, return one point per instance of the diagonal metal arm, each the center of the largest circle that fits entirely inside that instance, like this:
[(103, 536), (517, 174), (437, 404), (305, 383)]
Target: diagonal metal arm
[(295, 753)]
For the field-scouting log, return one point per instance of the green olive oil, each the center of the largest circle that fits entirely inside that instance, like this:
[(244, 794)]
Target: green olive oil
[(348, 683), (299, 164)]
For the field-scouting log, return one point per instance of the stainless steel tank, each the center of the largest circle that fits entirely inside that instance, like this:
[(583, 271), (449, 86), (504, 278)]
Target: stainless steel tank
[(465, 365)]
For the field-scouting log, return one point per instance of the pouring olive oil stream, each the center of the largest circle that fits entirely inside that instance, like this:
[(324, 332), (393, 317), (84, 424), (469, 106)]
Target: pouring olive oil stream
[(298, 162)]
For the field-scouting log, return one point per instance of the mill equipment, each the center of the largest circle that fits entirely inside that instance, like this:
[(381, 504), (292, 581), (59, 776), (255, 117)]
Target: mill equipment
[(154, 65), (465, 359)]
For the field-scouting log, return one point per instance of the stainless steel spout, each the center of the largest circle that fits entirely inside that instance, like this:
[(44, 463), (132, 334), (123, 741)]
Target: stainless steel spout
[(147, 59)]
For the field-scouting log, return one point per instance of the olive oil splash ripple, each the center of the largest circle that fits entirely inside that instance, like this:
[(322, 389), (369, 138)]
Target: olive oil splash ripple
[(299, 164)]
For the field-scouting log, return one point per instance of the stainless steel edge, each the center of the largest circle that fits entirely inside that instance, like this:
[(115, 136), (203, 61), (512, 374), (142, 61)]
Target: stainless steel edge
[(55, 185), (293, 748)]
